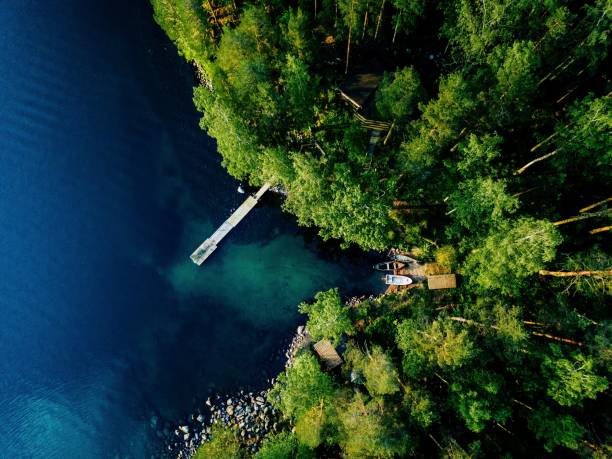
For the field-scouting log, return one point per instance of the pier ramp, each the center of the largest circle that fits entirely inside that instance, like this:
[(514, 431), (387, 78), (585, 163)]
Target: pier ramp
[(210, 244)]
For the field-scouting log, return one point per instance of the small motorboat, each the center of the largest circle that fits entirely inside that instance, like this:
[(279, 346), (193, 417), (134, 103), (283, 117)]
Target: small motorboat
[(392, 279), (403, 258), (388, 266)]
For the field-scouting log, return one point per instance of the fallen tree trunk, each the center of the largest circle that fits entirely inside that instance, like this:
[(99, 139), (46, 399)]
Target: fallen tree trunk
[(544, 272), (537, 160)]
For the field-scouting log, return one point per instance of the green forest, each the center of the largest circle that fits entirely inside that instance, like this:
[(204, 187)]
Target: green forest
[(496, 162)]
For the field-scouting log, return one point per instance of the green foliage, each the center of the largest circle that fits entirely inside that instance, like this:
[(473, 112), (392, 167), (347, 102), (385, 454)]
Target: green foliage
[(245, 56), (450, 111), (477, 155), (367, 431), (555, 429), (408, 13), (422, 409), (380, 373), (481, 204), (341, 207), (515, 68), (183, 22), (477, 399), (508, 325), (446, 256), (223, 444), (441, 122), (438, 343), (476, 27), (398, 94), (296, 35), (571, 380), (235, 141), (328, 318), (587, 138), (310, 427), (300, 91), (511, 254), (301, 387), (283, 445)]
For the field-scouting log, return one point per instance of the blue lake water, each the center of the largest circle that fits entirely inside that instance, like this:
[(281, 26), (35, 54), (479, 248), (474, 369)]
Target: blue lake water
[(106, 186)]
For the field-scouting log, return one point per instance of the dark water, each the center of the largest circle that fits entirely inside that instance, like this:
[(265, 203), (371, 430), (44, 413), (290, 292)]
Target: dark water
[(106, 186)]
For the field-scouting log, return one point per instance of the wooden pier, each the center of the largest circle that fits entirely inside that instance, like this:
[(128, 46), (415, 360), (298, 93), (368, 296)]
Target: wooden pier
[(210, 244)]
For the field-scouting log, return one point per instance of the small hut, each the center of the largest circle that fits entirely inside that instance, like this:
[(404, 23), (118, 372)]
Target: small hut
[(327, 354), (441, 281), (359, 87)]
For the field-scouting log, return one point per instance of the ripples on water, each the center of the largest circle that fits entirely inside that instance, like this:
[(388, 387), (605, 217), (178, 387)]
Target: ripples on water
[(106, 186)]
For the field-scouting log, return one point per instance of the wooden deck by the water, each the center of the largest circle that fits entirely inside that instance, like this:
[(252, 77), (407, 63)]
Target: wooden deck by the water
[(210, 244)]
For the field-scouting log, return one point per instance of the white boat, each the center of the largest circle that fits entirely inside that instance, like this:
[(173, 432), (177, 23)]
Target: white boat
[(388, 266), (392, 279)]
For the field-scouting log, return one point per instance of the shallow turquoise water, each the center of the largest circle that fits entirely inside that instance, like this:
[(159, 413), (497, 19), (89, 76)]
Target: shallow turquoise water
[(106, 186)]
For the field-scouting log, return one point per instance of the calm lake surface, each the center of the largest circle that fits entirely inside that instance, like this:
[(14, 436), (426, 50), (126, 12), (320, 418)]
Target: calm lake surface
[(106, 186)]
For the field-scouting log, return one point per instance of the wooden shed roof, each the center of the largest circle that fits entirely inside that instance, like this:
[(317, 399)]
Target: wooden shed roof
[(327, 354), (442, 281), (359, 87)]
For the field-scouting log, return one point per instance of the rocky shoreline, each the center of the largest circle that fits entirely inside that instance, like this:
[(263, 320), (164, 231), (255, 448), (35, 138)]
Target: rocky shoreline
[(250, 413), (247, 411)]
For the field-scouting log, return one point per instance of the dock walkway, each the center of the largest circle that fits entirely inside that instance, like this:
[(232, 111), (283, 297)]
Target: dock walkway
[(210, 244)]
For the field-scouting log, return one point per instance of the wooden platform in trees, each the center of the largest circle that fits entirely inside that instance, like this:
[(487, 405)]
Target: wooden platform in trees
[(359, 87), (441, 281), (327, 354)]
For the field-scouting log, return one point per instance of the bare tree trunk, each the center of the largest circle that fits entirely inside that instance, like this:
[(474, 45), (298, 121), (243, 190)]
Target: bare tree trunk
[(556, 68), (557, 338), (315, 12), (396, 27), (552, 136), (582, 217), (542, 335), (544, 272), (537, 324), (441, 379), (348, 51), (600, 230), (537, 160), (520, 193), (388, 133), (382, 7), (348, 45), (435, 441), (596, 204), (593, 446), (518, 402), (336, 17), (503, 428), (560, 99), (365, 23)]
